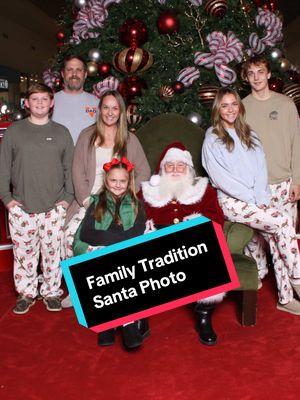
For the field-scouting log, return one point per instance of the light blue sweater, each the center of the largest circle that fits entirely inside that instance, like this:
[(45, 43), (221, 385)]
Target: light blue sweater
[(241, 173)]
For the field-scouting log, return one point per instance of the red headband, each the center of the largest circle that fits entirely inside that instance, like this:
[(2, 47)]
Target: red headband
[(115, 161)]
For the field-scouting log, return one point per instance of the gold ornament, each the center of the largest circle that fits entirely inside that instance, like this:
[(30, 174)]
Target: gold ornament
[(132, 59), (216, 8), (285, 65), (207, 93), (166, 92), (92, 68), (293, 91), (133, 118)]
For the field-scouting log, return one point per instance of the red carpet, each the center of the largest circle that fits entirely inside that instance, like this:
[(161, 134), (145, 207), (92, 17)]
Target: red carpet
[(49, 356)]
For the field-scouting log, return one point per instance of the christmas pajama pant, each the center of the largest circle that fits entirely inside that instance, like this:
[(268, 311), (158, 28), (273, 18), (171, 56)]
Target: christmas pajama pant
[(70, 231), (35, 235), (277, 228), (257, 247)]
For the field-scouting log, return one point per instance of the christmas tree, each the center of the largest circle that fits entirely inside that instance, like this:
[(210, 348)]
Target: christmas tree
[(172, 55)]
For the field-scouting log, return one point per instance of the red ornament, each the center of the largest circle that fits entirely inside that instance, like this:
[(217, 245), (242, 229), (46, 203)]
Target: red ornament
[(131, 87), (57, 82), (133, 33), (132, 60), (257, 3), (60, 36), (293, 76), (59, 44), (276, 84), (178, 87), (265, 7), (273, 5), (104, 69), (167, 22)]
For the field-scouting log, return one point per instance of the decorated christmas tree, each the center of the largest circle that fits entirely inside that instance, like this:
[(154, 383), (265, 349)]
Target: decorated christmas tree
[(172, 55)]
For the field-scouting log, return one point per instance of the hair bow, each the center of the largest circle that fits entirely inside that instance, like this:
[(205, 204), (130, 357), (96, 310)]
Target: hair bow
[(115, 161)]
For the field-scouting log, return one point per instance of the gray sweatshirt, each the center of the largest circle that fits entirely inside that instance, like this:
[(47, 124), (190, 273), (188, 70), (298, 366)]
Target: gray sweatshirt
[(35, 165)]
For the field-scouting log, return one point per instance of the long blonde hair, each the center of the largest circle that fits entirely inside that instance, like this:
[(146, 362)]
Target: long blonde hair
[(241, 127), (122, 132)]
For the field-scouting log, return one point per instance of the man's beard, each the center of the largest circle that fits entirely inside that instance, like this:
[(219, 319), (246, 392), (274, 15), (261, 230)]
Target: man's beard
[(174, 188), (74, 83)]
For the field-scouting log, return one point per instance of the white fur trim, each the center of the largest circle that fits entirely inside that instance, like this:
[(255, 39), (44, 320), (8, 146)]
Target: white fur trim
[(175, 154), (192, 216), (154, 180), (217, 298), (191, 196)]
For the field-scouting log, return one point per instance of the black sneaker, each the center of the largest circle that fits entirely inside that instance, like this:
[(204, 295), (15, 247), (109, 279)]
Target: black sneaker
[(52, 303), (132, 337), (144, 327), (23, 304), (106, 338)]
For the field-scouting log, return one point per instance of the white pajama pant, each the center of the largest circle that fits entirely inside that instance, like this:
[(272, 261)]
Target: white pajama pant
[(277, 228), (34, 235), (258, 247), (70, 231)]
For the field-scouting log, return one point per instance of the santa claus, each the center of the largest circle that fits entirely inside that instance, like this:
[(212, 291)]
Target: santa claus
[(173, 195)]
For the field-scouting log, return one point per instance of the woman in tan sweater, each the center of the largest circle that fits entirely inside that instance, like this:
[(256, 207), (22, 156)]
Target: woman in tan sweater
[(97, 145)]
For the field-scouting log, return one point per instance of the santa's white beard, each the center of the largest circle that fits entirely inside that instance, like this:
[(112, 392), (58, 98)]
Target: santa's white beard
[(171, 187)]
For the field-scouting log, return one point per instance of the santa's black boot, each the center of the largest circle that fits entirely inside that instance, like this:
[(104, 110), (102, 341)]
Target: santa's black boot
[(207, 335)]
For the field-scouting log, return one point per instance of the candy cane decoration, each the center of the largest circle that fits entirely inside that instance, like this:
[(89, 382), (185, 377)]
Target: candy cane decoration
[(188, 76), (109, 83), (193, 2), (273, 32), (91, 16), (223, 50), (49, 77)]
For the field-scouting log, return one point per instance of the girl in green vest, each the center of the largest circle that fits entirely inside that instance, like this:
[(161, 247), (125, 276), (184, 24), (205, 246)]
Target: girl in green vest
[(114, 215)]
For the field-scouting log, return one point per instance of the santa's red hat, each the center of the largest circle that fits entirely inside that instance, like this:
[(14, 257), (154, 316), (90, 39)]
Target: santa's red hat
[(173, 152)]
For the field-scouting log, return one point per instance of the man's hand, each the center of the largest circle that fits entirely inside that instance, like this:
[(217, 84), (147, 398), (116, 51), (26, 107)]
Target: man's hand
[(63, 203), (13, 203), (294, 193)]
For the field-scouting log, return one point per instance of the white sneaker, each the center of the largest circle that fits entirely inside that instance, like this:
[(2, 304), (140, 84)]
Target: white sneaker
[(293, 307), (66, 302), (296, 289)]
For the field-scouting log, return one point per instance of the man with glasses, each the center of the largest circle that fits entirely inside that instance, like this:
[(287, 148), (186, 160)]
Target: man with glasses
[(73, 107), (175, 195)]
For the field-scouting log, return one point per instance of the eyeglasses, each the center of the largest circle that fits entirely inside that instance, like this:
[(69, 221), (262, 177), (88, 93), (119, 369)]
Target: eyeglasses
[(175, 166)]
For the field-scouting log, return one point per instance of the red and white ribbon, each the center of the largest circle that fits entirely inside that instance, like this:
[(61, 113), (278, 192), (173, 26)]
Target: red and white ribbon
[(91, 16), (194, 2), (188, 76), (273, 32), (109, 83), (50, 77), (223, 50)]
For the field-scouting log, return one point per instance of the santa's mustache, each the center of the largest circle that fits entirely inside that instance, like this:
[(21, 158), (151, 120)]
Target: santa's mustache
[(174, 187)]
